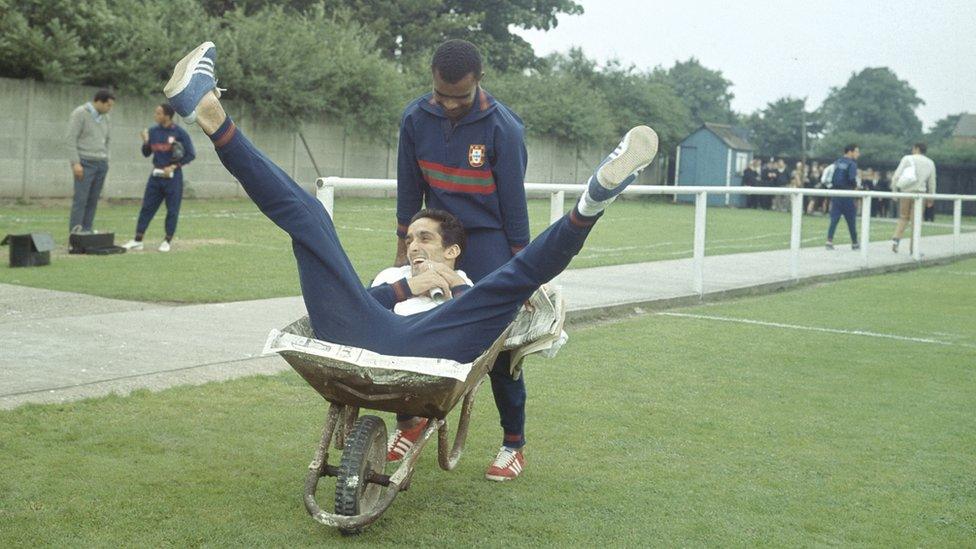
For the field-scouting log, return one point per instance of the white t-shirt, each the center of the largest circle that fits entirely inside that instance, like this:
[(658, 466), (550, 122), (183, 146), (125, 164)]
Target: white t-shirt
[(413, 305)]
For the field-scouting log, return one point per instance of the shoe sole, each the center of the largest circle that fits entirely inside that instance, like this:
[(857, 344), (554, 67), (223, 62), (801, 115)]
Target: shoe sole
[(639, 149), (181, 75), (498, 478)]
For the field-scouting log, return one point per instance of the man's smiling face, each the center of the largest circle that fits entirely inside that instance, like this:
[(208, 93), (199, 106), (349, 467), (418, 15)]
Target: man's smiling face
[(425, 243)]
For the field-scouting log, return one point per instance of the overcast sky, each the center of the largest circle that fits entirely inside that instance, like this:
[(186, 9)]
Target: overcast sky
[(774, 49)]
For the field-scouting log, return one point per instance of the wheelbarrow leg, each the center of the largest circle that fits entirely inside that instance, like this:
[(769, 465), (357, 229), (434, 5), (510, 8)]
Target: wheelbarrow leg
[(316, 469), (347, 418), (448, 460)]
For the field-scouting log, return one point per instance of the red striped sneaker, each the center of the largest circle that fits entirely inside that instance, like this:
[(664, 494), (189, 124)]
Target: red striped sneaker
[(508, 464), (403, 440)]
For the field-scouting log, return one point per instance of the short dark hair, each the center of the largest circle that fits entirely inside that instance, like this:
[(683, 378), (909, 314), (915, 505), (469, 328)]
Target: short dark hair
[(167, 109), (850, 148), (451, 229), (921, 147), (456, 59), (103, 96)]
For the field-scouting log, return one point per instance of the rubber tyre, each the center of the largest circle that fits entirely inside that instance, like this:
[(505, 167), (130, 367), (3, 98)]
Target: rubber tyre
[(365, 452)]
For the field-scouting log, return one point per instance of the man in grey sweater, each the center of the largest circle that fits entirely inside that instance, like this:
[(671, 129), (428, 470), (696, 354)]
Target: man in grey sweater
[(87, 144)]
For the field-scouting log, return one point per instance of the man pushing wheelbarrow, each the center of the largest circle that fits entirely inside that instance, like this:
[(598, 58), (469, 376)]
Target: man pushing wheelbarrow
[(354, 340)]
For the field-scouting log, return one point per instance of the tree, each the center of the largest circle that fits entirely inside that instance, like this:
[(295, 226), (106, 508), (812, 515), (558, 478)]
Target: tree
[(777, 130), (128, 44), (876, 149), (325, 67), (577, 113), (942, 129), (874, 101), (638, 97), (704, 91), (407, 30)]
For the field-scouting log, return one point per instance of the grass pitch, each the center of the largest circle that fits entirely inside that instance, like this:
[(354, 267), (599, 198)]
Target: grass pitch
[(228, 251), (837, 414)]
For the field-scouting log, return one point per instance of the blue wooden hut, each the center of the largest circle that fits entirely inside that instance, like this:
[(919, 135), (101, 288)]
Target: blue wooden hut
[(714, 155)]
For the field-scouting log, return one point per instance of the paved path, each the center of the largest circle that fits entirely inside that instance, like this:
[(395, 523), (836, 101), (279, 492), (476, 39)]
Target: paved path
[(59, 346)]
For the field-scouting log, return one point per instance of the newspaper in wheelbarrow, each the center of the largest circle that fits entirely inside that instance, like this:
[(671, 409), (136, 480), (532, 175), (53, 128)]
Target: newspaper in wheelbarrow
[(538, 328)]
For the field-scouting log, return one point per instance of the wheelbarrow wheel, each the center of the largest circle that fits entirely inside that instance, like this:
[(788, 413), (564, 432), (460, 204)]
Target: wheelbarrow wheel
[(363, 456)]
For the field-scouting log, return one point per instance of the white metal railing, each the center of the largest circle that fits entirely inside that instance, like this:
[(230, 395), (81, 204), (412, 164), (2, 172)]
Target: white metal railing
[(557, 196)]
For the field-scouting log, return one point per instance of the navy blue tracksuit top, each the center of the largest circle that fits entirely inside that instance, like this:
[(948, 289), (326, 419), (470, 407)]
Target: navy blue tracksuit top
[(845, 174), (474, 169), (160, 145)]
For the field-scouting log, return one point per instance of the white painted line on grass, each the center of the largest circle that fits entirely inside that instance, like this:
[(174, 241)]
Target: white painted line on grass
[(817, 329)]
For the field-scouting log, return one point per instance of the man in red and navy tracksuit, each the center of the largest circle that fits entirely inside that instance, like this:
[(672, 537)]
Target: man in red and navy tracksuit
[(171, 149), (464, 152)]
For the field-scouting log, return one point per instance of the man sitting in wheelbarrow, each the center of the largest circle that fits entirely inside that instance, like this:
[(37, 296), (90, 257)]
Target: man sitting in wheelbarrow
[(340, 309)]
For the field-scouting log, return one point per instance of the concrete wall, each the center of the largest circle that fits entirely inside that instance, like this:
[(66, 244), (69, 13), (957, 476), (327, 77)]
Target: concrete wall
[(33, 158)]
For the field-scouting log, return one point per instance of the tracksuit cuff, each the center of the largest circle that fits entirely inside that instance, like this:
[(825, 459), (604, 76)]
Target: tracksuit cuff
[(401, 230), (401, 290), (224, 133), (456, 291)]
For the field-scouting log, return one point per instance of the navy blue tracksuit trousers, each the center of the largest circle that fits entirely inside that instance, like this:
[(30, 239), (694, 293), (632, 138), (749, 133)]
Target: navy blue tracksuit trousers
[(488, 249), (159, 189), (339, 307), (842, 206)]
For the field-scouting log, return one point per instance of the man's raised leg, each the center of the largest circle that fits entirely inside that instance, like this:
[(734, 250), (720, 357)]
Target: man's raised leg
[(338, 305), (467, 325)]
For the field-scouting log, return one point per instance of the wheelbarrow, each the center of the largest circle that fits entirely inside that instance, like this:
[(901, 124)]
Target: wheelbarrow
[(349, 379)]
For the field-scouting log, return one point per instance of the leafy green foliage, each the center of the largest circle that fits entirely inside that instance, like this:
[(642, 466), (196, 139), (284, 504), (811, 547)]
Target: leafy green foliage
[(704, 91), (949, 152), (129, 44), (637, 97), (778, 129), (874, 101), (876, 149), (324, 67), (942, 129), (410, 30)]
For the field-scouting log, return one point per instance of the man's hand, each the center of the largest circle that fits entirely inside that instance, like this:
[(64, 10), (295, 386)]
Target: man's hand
[(448, 273), (78, 171), (168, 170), (426, 281), (145, 136)]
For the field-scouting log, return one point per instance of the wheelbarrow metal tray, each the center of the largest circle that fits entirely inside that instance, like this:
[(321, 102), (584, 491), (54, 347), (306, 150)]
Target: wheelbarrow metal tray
[(389, 390)]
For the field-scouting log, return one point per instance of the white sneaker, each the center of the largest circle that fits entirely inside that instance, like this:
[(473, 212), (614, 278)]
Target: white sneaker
[(133, 245), (164, 247)]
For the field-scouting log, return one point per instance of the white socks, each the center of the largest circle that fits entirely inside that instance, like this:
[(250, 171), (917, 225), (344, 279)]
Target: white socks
[(589, 207)]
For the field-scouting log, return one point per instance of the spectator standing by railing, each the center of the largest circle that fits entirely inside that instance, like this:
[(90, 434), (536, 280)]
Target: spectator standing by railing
[(769, 174), (750, 178), (915, 174)]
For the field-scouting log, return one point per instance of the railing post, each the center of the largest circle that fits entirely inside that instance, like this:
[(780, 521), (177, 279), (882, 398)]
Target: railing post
[(326, 194), (919, 209), (556, 201), (865, 228), (698, 259), (796, 230), (956, 224)]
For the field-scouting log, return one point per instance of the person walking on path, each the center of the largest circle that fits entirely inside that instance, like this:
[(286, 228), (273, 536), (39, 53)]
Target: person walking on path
[(87, 142), (844, 178), (171, 149), (463, 151), (915, 174)]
